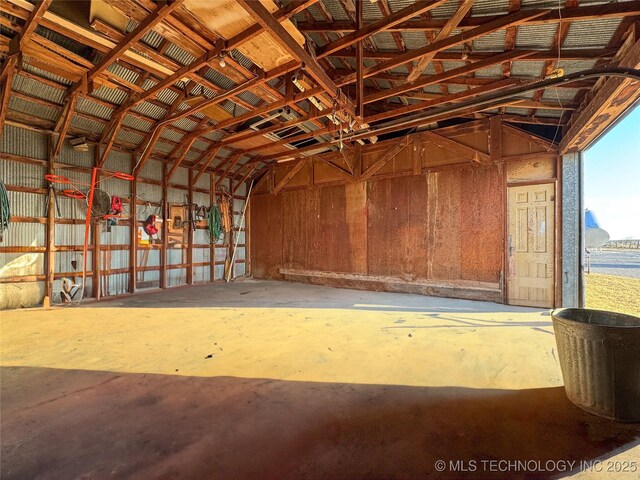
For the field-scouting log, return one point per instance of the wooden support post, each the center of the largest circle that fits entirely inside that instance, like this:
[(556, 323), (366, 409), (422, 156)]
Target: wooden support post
[(357, 162), (416, 154), (96, 239), (8, 71), (165, 229), (49, 258), (212, 245), (133, 234), (247, 236), (495, 138), (359, 64), (230, 237), (190, 230)]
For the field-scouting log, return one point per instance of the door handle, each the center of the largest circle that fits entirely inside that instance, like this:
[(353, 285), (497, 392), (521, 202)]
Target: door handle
[(510, 246)]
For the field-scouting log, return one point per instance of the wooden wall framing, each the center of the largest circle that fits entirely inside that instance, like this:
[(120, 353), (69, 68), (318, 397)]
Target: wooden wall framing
[(23, 167)]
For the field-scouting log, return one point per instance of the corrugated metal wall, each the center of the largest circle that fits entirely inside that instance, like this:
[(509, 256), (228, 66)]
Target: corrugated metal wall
[(23, 249)]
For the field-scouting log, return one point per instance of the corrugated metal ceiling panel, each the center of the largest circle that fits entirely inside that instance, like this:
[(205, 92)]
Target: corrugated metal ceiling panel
[(110, 95), (178, 54), (137, 123), (42, 73), (36, 89), (87, 124), (92, 108), (591, 33), (493, 42), (33, 109)]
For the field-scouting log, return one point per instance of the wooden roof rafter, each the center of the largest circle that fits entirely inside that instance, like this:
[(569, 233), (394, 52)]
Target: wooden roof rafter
[(417, 54), (557, 43), (32, 22), (553, 16), (377, 101), (452, 23), (284, 38), (417, 8)]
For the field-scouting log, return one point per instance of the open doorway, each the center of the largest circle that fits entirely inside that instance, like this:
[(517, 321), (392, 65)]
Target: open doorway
[(612, 218)]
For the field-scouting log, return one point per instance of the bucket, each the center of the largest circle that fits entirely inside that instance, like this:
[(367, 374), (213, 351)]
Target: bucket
[(599, 355)]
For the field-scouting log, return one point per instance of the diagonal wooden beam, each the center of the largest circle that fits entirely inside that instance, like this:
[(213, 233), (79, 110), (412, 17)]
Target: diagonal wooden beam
[(440, 100), (359, 64), (417, 8), (284, 38), (452, 23), (210, 158), (233, 161), (529, 137), (385, 158), (179, 160), (155, 136), (112, 137), (449, 74), (147, 24), (456, 147), (63, 125), (587, 12), (8, 71), (485, 29), (34, 18), (337, 167), (290, 174), (244, 178), (266, 178)]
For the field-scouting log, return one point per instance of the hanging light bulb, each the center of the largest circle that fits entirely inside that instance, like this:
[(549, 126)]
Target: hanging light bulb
[(466, 50), (221, 60)]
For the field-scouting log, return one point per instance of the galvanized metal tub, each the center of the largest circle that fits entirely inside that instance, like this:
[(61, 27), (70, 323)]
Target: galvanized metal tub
[(599, 355)]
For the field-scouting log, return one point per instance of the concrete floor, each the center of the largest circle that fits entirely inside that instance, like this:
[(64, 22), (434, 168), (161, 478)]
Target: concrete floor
[(273, 380)]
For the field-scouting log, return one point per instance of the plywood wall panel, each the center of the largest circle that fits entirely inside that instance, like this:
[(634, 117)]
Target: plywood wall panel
[(443, 205), (513, 144), (435, 226), (481, 226), (330, 233), (356, 217), (397, 227), (325, 173), (542, 168), (295, 229), (266, 236), (437, 156), (478, 140)]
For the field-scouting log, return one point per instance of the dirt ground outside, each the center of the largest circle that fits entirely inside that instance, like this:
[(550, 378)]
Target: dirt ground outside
[(612, 292)]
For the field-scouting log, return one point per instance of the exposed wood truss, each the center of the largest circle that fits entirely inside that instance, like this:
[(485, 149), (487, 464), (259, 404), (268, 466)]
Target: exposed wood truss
[(385, 158), (229, 92), (448, 27), (456, 147)]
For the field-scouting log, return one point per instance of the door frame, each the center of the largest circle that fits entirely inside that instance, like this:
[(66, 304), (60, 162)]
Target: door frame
[(557, 259)]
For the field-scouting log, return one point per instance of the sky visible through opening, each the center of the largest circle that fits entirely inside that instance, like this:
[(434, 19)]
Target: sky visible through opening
[(612, 178)]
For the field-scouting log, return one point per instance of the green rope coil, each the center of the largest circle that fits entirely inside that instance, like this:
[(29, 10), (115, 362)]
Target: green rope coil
[(215, 224), (5, 211)]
